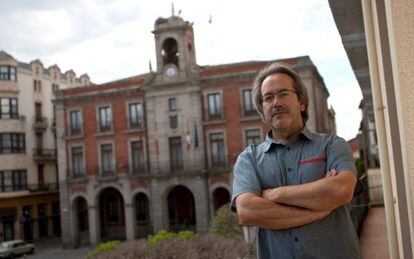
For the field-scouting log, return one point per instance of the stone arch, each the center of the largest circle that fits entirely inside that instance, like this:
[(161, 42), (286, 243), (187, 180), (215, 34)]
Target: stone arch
[(181, 208), (170, 51), (220, 196), (111, 205)]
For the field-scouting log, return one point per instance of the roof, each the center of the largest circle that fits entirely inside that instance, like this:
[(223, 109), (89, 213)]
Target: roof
[(134, 81), (4, 55), (353, 144), (240, 67), (206, 72), (12, 241)]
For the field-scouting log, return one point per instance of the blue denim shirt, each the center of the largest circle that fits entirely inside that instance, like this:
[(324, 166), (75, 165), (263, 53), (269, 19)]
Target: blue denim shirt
[(306, 158)]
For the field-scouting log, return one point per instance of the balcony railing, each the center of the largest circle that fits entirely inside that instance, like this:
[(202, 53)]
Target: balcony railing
[(53, 125), (134, 124), (76, 174), (43, 187), (40, 124), (185, 168), (43, 154), (161, 168)]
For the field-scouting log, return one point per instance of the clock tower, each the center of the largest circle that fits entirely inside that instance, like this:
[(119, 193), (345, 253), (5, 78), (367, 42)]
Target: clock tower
[(175, 52)]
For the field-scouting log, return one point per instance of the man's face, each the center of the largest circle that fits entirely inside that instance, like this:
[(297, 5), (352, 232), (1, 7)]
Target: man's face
[(281, 106)]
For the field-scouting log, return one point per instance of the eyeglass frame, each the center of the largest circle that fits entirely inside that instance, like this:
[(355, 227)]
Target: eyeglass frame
[(279, 94)]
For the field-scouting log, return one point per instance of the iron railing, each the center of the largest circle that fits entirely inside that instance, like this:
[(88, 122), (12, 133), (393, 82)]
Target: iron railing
[(43, 153), (40, 123), (43, 187)]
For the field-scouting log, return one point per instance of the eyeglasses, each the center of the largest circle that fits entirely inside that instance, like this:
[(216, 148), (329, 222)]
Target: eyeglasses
[(282, 94)]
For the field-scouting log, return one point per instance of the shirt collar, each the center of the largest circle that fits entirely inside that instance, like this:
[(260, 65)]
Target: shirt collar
[(269, 142)]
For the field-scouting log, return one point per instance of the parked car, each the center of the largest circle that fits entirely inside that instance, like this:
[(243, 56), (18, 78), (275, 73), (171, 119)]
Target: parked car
[(10, 249)]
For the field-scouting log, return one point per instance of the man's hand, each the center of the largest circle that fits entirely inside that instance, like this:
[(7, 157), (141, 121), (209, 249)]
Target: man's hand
[(333, 172), (325, 194), (257, 211)]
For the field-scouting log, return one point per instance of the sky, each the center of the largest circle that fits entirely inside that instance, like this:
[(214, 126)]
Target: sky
[(112, 39)]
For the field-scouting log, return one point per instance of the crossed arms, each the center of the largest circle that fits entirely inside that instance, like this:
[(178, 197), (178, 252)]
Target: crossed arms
[(291, 206)]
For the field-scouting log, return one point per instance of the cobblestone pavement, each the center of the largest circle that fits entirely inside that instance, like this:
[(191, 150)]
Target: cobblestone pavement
[(51, 248)]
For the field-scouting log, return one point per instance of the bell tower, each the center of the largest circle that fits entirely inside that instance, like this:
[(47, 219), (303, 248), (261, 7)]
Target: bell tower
[(175, 52)]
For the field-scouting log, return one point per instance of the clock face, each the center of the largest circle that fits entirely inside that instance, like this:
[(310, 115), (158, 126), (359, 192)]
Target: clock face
[(171, 72)]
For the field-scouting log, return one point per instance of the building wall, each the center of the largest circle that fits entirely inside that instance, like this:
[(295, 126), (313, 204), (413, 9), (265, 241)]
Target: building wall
[(401, 33), (23, 89), (190, 85)]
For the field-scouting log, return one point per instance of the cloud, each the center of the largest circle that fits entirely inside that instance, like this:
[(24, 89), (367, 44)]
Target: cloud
[(112, 39), (345, 100)]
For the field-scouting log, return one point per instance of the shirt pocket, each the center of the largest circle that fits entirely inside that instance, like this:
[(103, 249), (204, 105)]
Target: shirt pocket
[(312, 169)]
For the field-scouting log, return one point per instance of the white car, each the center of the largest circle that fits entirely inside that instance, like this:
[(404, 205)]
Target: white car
[(10, 249)]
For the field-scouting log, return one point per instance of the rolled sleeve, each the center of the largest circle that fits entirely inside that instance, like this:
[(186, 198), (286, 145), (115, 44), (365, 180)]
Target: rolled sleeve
[(340, 156), (245, 177)]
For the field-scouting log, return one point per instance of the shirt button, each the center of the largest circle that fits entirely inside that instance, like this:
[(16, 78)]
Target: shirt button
[(296, 239), (289, 169)]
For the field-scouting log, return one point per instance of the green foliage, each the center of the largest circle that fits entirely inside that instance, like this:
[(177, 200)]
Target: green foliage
[(359, 163), (103, 247), (187, 234), (225, 224), (166, 235)]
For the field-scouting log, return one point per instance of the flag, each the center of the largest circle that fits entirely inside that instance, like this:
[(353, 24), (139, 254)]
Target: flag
[(188, 137), (195, 135)]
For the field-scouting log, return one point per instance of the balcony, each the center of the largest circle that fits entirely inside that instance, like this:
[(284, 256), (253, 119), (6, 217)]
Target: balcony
[(40, 124), (43, 187), (42, 155), (53, 126), (165, 168), (76, 176)]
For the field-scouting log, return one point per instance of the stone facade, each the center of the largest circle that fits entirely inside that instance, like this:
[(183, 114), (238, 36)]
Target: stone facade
[(163, 159), (28, 168)]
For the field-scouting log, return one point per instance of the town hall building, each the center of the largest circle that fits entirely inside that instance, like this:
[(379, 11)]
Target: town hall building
[(155, 151)]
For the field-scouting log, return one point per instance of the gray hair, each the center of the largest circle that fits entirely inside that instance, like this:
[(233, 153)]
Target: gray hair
[(298, 84)]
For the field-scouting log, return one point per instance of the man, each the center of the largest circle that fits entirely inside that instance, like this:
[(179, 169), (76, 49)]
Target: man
[(295, 186)]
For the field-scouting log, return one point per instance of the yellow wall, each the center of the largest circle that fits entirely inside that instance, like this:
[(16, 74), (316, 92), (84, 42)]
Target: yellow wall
[(33, 199)]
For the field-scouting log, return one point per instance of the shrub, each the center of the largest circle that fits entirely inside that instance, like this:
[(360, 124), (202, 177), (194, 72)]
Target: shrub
[(161, 235), (200, 247), (187, 234), (166, 235), (226, 223), (103, 247)]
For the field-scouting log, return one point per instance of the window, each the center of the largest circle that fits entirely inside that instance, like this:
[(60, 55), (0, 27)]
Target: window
[(214, 106), (135, 115), (15, 180), (55, 88), (75, 122), (176, 153), (8, 73), (248, 103), (8, 108), (137, 155), (107, 161), (12, 143), (253, 137), (77, 162), (37, 85), (105, 118), (172, 104), (173, 121), (112, 210), (218, 156), (141, 208), (19, 180)]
